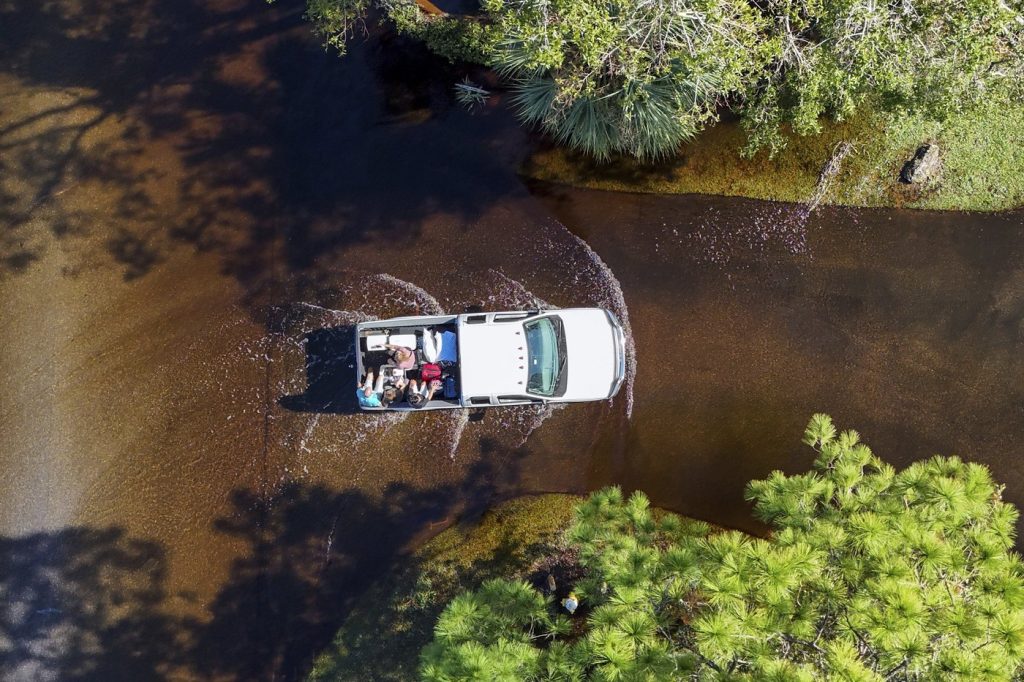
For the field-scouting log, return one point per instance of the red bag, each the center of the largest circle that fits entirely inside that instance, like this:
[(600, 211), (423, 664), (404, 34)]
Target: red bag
[(430, 371)]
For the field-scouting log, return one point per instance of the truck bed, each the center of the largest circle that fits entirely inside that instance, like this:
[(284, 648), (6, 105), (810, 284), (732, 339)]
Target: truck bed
[(404, 330)]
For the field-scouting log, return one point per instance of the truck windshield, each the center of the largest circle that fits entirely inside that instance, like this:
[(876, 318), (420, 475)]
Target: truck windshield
[(545, 344)]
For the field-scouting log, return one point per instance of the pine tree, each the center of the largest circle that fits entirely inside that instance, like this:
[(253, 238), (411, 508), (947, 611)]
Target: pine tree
[(869, 574)]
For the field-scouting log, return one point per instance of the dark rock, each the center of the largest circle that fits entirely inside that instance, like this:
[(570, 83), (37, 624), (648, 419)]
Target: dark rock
[(925, 165)]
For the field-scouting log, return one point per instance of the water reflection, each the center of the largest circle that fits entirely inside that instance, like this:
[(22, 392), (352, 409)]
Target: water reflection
[(224, 168), (85, 604)]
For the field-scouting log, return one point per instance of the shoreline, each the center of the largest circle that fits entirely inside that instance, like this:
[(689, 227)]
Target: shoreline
[(982, 173), (512, 539), (540, 185), (403, 602)]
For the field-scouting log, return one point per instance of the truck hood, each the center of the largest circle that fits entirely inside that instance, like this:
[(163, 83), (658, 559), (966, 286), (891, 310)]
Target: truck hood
[(593, 362)]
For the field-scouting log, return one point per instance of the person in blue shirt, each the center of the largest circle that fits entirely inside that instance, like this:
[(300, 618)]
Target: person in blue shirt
[(369, 392)]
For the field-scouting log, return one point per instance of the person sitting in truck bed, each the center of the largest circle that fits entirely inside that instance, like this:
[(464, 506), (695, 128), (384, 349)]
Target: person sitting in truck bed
[(403, 358), (370, 392), (394, 390), (419, 395), (378, 394), (390, 395)]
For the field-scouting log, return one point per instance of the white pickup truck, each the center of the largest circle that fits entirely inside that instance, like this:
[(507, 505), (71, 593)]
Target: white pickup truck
[(502, 358)]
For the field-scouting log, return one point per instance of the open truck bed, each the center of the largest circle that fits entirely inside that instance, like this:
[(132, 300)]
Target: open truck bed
[(407, 331)]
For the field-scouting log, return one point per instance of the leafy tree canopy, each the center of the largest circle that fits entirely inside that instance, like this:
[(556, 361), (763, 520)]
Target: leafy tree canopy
[(933, 57), (868, 575), (335, 21), (639, 77), (631, 77)]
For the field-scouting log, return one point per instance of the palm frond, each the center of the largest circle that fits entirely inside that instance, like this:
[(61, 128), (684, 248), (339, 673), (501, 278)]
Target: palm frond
[(533, 98)]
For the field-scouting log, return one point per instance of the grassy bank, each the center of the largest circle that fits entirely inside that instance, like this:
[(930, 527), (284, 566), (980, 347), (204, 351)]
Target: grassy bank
[(382, 636), (982, 152)]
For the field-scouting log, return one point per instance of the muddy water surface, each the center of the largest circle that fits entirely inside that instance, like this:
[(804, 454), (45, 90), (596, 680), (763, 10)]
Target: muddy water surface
[(197, 203), (748, 317)]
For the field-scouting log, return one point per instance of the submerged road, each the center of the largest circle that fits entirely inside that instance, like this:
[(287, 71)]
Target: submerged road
[(197, 202)]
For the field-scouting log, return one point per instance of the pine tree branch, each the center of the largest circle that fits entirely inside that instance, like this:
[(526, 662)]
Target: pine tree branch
[(896, 669)]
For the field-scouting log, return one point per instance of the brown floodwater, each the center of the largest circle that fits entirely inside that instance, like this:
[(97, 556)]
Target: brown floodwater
[(197, 202), (749, 317)]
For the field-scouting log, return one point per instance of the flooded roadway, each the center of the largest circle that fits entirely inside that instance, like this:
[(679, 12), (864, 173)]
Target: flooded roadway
[(197, 202)]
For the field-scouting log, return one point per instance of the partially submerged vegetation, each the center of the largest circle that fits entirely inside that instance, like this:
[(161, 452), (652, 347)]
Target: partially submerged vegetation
[(869, 574), (383, 634), (630, 82), (982, 158), (636, 78), (631, 78)]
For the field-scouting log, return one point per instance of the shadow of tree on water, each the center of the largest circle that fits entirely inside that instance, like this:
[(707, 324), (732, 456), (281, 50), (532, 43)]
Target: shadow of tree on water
[(92, 603), (85, 604), (224, 126)]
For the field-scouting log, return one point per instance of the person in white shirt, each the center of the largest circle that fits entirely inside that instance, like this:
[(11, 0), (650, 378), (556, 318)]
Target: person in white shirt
[(419, 394)]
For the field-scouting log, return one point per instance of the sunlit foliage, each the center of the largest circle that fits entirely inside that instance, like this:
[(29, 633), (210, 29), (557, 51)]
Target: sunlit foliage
[(635, 77), (639, 77), (336, 21), (931, 57), (869, 574), (491, 634)]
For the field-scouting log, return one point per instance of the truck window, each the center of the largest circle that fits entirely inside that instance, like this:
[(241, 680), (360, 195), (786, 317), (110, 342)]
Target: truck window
[(545, 347)]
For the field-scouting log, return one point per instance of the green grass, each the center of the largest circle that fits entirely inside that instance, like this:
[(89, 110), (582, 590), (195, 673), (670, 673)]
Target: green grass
[(982, 152), (383, 634)]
